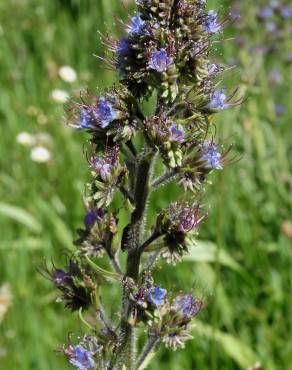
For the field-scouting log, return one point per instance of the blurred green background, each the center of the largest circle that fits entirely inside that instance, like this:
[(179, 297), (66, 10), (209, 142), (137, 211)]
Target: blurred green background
[(244, 257)]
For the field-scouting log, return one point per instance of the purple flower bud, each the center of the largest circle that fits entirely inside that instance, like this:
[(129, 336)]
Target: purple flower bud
[(289, 57), (275, 77), (211, 24), (279, 109), (105, 112), (176, 134), (211, 155), (137, 25), (80, 357), (105, 171), (92, 216), (160, 60), (218, 100), (156, 296), (59, 276), (274, 4), (102, 167)]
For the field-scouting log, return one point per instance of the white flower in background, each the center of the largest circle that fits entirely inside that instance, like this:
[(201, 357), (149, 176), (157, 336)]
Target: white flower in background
[(40, 154), (60, 96), (68, 74), (5, 299), (25, 138)]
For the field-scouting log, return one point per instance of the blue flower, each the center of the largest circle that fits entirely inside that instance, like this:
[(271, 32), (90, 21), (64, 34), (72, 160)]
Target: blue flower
[(265, 12), (211, 24), (286, 12), (218, 100), (160, 60), (188, 305), (156, 296), (85, 119), (176, 134), (105, 112), (271, 27), (122, 49), (81, 358), (137, 25), (123, 46), (211, 155)]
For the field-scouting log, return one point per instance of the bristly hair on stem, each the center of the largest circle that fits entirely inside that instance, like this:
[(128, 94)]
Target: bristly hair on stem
[(165, 53)]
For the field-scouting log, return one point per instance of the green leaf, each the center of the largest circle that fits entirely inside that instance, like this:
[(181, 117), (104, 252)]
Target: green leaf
[(21, 216), (206, 251), (30, 244), (240, 352), (59, 229)]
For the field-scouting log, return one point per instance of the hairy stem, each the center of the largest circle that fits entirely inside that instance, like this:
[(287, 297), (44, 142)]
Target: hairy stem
[(126, 351), (146, 352), (152, 259), (150, 240), (163, 179), (115, 262)]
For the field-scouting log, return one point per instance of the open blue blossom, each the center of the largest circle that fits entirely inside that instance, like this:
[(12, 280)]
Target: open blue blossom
[(105, 112), (156, 296), (271, 27), (176, 134), (160, 61), (218, 100), (211, 24), (81, 358), (85, 119), (123, 46), (286, 12), (188, 305), (137, 25), (122, 49), (211, 155), (265, 12)]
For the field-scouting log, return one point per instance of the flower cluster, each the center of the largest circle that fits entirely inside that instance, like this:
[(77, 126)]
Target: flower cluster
[(175, 223), (77, 284), (165, 56)]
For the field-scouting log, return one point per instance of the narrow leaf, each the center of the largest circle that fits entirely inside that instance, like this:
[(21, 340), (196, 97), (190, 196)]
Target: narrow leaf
[(240, 352), (206, 251), (20, 215)]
